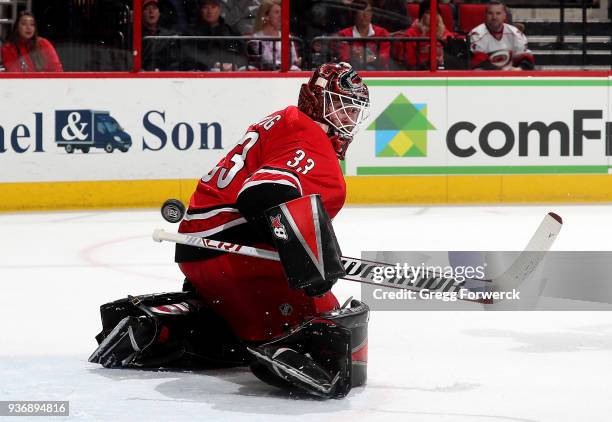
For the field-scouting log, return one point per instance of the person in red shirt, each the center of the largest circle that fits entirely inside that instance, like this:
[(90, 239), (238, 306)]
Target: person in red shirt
[(367, 56), (25, 51), (415, 55), (295, 336)]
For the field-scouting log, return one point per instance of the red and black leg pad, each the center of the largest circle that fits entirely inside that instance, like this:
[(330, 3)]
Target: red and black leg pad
[(354, 318), (306, 243), (169, 329), (326, 356)]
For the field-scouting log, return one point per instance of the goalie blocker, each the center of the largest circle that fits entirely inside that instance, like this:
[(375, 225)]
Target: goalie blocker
[(304, 237)]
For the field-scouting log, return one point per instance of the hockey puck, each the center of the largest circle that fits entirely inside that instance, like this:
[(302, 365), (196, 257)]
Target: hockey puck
[(173, 210)]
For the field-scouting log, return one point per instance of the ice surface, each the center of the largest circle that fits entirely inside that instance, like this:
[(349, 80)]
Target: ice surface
[(57, 268)]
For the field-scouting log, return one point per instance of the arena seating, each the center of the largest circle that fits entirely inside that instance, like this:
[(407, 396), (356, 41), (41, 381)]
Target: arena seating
[(470, 16)]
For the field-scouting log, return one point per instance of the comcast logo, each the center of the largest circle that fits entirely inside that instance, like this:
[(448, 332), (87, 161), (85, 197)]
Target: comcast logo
[(401, 129)]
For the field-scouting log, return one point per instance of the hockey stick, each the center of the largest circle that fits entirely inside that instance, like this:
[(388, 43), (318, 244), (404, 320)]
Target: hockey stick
[(532, 255), (371, 272)]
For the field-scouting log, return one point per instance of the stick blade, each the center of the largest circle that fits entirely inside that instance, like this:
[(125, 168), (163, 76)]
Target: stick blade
[(532, 255), (546, 234)]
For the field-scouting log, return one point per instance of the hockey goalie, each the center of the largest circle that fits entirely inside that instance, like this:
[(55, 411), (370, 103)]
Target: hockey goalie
[(278, 188)]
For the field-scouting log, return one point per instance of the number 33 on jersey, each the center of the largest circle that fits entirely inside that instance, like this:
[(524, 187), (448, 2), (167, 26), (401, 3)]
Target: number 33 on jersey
[(297, 161), (286, 148)]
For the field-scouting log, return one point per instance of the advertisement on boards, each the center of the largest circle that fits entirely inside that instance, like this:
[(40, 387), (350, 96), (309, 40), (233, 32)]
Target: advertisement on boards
[(462, 127)]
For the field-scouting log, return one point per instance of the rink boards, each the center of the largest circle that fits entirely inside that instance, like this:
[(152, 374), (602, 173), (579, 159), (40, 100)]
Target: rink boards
[(428, 140)]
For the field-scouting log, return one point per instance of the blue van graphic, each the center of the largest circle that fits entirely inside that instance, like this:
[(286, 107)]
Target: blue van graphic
[(84, 129)]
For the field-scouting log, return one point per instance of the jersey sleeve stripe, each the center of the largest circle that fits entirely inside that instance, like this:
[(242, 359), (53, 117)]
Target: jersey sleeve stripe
[(207, 209), (280, 172), (278, 182), (273, 174), (205, 215), (218, 229)]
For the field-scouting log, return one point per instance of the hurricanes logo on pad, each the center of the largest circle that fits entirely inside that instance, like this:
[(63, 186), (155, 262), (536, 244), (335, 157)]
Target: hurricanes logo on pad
[(278, 227)]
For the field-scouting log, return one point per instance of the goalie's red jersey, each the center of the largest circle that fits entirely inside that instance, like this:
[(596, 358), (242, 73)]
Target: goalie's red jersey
[(286, 148)]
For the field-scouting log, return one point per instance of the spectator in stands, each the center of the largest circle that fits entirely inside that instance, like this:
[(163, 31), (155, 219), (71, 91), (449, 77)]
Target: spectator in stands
[(240, 14), (390, 14), (309, 19), (415, 55), (213, 54), (316, 18), (371, 55), (456, 3), (177, 14), (25, 51), (268, 24), (340, 14), (157, 54), (496, 45)]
